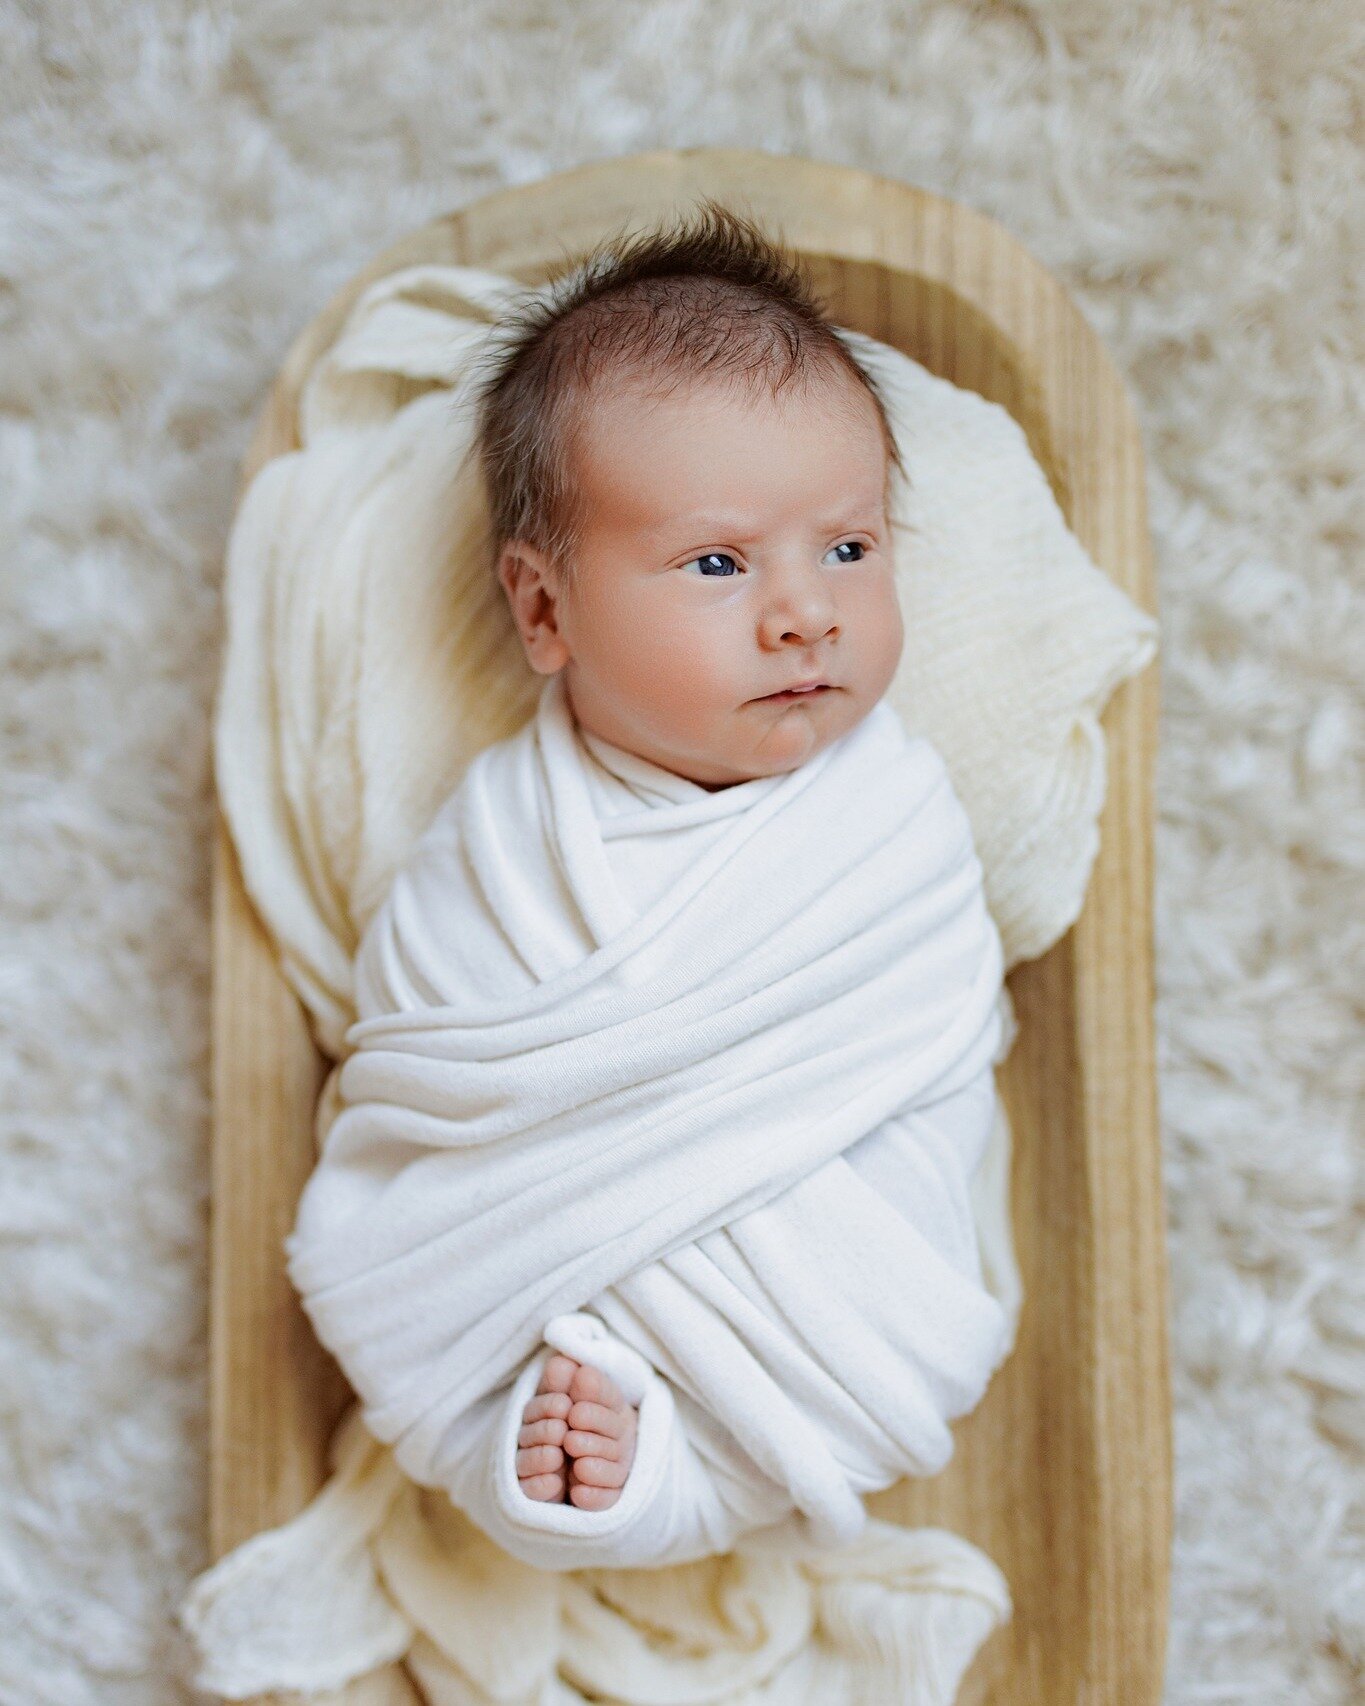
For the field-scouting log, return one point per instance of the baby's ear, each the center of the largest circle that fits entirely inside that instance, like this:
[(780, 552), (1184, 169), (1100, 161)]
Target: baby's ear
[(528, 580)]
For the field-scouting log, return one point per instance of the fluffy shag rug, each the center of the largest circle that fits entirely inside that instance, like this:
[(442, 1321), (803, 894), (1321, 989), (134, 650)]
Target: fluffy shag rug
[(183, 186)]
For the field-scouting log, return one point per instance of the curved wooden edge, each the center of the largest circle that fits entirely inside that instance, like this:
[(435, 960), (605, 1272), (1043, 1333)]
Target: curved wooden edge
[(1044, 362), (264, 1359)]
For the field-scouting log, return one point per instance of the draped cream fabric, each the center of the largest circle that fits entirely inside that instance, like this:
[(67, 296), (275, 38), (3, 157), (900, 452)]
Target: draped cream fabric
[(369, 656)]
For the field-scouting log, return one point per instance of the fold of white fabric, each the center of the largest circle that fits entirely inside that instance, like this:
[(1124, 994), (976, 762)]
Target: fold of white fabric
[(693, 1490), (597, 1062)]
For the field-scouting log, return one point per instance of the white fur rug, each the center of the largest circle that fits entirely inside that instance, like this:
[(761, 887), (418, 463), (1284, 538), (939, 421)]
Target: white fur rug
[(184, 185)]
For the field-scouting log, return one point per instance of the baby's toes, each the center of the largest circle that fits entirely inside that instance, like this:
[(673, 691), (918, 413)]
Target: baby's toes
[(540, 1470), (607, 1472), (544, 1489), (595, 1442), (592, 1498), (547, 1406), (558, 1374), (595, 1483), (591, 1385), (599, 1430), (542, 1430), (598, 1466)]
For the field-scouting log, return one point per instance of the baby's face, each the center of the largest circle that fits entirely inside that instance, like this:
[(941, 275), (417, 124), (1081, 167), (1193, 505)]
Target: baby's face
[(733, 548)]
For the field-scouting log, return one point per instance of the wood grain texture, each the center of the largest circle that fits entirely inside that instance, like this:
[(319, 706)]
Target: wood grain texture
[(1063, 1474)]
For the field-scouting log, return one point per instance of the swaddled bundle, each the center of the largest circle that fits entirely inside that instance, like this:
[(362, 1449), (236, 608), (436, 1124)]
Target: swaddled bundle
[(618, 1035)]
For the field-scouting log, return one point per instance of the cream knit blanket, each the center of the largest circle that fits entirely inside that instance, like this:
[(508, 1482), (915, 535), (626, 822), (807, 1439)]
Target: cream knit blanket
[(369, 659)]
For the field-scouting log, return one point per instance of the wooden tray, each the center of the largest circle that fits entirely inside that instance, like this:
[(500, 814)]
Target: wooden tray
[(1063, 1474)]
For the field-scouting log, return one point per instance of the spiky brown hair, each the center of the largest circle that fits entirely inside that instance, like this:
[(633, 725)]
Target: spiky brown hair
[(712, 295)]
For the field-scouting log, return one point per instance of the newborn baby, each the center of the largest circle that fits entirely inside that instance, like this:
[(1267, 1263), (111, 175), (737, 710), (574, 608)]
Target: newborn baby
[(733, 611), (758, 1286)]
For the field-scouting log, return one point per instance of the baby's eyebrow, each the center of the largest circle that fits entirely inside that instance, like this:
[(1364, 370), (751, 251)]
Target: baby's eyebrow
[(868, 506), (732, 525), (708, 523)]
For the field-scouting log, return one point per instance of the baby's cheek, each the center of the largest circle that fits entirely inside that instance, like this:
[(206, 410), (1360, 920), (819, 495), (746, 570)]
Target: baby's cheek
[(680, 675), (885, 627)]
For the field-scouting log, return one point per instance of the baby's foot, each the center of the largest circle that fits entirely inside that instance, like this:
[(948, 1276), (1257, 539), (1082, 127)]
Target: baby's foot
[(577, 1437), (541, 1464), (600, 1441)]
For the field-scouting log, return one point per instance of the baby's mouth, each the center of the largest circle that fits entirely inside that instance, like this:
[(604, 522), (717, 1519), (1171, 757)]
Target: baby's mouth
[(794, 694)]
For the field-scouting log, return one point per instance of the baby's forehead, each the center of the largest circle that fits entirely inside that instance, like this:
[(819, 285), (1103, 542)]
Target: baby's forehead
[(627, 390), (714, 456), (619, 427)]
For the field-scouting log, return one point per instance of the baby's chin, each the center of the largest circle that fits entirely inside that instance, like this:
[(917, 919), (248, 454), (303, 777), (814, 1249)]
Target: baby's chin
[(776, 740)]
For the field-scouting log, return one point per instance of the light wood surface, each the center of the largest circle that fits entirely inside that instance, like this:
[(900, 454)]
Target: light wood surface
[(1063, 1474)]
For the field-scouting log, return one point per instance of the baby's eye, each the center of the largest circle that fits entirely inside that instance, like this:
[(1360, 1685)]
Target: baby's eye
[(713, 562), (710, 558), (851, 545)]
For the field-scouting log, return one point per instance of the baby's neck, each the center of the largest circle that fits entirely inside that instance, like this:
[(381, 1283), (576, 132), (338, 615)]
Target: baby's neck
[(710, 787)]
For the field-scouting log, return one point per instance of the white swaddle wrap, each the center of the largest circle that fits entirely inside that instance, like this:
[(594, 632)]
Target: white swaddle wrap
[(566, 1079)]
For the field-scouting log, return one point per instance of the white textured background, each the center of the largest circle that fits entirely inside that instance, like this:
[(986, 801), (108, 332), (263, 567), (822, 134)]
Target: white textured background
[(184, 185)]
